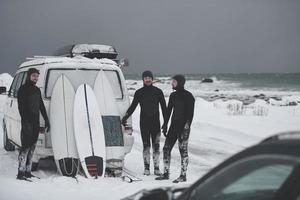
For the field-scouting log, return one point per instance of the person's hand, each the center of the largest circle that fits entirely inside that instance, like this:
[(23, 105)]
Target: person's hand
[(164, 129), (47, 126), (186, 132), (124, 121), (187, 126)]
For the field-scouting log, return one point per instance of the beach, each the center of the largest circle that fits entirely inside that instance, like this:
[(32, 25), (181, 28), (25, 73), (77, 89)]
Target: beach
[(221, 128)]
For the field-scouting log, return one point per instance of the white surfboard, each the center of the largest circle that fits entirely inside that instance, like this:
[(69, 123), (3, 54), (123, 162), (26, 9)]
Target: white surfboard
[(62, 132), (89, 133), (111, 121)]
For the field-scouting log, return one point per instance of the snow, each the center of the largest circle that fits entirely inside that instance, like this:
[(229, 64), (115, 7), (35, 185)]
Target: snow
[(5, 80), (66, 61), (217, 133)]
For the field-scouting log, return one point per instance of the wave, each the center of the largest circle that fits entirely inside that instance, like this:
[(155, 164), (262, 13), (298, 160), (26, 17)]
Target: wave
[(220, 89)]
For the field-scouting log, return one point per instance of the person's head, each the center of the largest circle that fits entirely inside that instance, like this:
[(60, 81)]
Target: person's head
[(147, 78), (178, 82), (33, 75)]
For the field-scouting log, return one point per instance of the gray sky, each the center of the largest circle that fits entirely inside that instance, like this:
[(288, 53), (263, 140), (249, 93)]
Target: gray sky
[(166, 36)]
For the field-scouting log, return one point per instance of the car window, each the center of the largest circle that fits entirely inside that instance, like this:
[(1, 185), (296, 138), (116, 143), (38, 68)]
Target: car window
[(77, 77), (252, 178), (24, 78), (115, 82), (80, 76), (13, 85), (19, 83)]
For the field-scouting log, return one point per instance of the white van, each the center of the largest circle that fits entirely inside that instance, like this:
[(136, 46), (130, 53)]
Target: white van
[(79, 70)]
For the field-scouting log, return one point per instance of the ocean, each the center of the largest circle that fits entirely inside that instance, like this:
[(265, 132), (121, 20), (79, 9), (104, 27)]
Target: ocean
[(285, 82)]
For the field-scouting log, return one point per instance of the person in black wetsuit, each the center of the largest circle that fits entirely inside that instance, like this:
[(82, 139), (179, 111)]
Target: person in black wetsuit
[(182, 103), (149, 97), (30, 104)]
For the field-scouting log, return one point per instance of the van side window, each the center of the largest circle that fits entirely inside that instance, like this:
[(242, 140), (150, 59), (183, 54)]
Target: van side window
[(115, 82), (24, 78), (17, 82), (13, 85)]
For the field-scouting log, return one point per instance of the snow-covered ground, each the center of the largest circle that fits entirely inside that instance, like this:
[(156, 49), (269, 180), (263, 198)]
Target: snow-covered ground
[(219, 130)]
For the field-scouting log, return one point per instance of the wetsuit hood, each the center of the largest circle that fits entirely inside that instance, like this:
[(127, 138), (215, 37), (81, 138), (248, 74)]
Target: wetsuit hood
[(180, 81), (147, 73), (29, 73)]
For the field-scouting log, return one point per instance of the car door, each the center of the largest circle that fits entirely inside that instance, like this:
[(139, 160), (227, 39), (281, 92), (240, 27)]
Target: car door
[(9, 107), (15, 118), (258, 177)]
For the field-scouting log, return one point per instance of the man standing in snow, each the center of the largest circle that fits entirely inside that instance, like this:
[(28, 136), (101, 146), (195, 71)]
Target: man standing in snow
[(149, 97), (30, 104), (182, 103)]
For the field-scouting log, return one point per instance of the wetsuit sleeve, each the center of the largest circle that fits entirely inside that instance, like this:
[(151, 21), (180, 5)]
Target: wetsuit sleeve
[(190, 109), (162, 102), (22, 103), (133, 105), (169, 109), (43, 109)]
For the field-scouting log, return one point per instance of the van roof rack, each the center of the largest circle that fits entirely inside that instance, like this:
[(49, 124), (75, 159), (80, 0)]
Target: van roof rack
[(88, 50), (38, 57), (38, 60)]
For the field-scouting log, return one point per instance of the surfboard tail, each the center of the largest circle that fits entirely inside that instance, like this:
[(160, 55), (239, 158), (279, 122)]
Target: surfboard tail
[(69, 166), (95, 165)]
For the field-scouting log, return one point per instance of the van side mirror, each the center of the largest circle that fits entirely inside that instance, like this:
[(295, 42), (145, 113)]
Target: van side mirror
[(124, 62), (2, 89)]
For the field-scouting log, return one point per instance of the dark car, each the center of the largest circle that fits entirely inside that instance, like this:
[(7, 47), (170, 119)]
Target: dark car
[(269, 170)]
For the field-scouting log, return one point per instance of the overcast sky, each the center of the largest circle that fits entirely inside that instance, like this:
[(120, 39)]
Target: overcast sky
[(166, 36)]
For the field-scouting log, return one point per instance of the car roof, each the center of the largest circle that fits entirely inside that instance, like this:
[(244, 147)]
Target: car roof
[(287, 143), (287, 136), (40, 60)]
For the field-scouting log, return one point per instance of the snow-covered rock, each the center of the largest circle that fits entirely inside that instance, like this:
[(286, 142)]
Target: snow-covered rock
[(5, 80), (286, 101)]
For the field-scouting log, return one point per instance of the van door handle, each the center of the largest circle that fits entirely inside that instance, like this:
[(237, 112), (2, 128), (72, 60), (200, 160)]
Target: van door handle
[(11, 102)]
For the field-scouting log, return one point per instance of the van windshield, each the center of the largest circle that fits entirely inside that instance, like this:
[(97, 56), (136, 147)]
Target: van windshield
[(80, 76)]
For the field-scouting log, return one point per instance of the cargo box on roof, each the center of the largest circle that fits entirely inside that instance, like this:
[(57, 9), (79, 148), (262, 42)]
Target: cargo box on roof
[(88, 50)]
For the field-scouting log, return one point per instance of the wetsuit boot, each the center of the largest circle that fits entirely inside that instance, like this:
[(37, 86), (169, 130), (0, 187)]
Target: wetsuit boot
[(181, 178), (164, 176)]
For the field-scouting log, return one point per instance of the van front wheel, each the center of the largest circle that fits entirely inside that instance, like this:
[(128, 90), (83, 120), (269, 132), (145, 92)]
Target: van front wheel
[(8, 146)]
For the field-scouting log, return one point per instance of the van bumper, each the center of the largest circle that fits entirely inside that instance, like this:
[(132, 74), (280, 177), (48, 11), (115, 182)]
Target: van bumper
[(42, 152)]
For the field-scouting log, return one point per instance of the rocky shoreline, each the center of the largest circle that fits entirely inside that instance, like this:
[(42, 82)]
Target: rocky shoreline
[(249, 99), (274, 98)]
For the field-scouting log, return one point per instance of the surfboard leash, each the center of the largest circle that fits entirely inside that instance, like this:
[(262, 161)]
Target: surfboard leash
[(129, 173)]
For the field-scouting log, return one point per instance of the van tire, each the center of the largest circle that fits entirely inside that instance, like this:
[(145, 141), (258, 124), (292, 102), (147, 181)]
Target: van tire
[(8, 146)]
